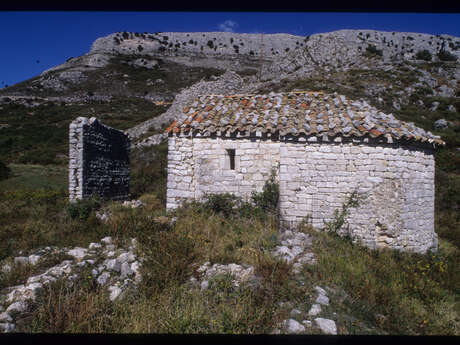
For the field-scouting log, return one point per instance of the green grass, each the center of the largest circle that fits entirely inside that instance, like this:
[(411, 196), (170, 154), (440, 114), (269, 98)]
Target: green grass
[(29, 176), (416, 294), (40, 135)]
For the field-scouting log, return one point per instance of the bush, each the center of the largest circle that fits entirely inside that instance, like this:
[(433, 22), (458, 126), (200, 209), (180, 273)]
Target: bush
[(423, 55), (267, 200), (81, 209), (224, 203), (5, 172), (371, 50), (446, 56), (340, 217)]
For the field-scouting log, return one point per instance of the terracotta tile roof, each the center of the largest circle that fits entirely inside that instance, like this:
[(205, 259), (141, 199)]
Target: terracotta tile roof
[(294, 113)]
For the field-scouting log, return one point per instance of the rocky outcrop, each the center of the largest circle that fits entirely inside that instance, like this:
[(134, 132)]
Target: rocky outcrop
[(278, 53)]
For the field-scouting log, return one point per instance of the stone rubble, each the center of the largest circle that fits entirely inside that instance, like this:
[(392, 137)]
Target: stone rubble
[(133, 203), (119, 274), (295, 248), (240, 274), (292, 326)]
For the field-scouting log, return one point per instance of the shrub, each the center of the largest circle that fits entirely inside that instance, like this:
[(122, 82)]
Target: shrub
[(339, 220), (371, 50), (446, 56), (224, 204), (210, 44), (423, 55), (267, 200), (81, 209), (5, 172)]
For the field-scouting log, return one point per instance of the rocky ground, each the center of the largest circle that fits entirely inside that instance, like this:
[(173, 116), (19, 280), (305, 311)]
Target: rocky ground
[(116, 268)]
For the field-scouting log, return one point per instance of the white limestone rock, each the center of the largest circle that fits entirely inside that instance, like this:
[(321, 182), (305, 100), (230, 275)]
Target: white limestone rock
[(115, 292), (126, 257), (204, 285), (320, 290), (322, 299), (113, 265), (126, 269), (107, 240), (78, 253), (293, 326), (327, 326), (93, 245), (19, 307), (33, 259), (315, 310), (103, 278)]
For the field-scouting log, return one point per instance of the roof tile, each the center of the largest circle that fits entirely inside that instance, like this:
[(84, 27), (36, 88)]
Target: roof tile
[(295, 113)]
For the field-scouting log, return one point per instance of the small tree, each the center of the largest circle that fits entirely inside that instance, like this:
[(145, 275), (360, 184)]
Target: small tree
[(423, 55), (371, 50), (446, 56)]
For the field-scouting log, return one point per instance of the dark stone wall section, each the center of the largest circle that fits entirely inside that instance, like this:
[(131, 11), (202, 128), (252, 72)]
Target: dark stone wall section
[(104, 161)]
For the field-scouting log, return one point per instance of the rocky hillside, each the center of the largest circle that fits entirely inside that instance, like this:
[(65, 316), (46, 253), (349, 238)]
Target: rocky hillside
[(141, 80)]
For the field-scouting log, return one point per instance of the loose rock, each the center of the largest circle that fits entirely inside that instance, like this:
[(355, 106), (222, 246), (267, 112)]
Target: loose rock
[(327, 326), (440, 124), (292, 326), (315, 310)]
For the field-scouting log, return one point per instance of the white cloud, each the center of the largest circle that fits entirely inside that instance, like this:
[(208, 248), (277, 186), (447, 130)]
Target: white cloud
[(228, 26)]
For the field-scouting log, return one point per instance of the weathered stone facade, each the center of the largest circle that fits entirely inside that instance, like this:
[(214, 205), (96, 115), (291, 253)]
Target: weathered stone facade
[(316, 177), (98, 160), (324, 148)]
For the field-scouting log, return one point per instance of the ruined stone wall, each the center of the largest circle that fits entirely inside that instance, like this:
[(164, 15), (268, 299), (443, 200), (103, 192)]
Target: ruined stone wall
[(316, 178), (98, 161)]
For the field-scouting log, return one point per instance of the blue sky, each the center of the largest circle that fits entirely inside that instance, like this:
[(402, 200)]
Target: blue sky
[(35, 41)]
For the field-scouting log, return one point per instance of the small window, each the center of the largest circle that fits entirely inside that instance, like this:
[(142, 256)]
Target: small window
[(231, 156)]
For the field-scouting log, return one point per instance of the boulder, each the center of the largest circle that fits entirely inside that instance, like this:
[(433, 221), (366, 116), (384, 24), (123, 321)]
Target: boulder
[(292, 326), (327, 326)]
